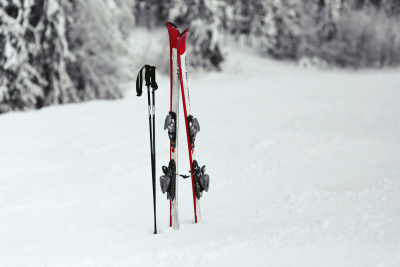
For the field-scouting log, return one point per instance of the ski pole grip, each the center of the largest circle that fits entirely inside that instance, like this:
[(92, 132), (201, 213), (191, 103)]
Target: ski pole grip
[(139, 82), (153, 77), (147, 75), (139, 79)]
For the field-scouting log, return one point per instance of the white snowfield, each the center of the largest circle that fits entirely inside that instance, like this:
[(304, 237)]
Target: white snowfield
[(304, 170)]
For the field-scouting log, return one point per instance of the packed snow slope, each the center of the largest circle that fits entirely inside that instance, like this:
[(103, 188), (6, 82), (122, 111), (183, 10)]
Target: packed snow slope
[(304, 168)]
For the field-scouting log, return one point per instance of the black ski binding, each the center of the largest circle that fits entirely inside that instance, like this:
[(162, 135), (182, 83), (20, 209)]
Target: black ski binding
[(167, 181), (170, 124), (201, 180), (194, 128)]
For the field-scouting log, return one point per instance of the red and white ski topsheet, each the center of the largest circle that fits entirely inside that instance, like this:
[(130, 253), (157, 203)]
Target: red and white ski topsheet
[(187, 112), (173, 33)]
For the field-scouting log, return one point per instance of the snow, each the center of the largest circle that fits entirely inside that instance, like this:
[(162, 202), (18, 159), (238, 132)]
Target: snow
[(304, 168), (52, 8), (11, 55)]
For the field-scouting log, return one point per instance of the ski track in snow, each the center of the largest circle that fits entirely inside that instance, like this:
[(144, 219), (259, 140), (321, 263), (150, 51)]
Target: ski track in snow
[(304, 168)]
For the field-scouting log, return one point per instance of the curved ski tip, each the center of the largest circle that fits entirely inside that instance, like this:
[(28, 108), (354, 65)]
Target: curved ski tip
[(182, 33), (170, 23)]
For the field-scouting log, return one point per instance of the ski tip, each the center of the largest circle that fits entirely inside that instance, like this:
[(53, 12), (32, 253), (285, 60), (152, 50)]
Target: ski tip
[(182, 33), (171, 24)]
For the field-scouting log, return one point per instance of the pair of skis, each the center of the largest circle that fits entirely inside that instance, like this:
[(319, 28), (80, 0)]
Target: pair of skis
[(169, 181)]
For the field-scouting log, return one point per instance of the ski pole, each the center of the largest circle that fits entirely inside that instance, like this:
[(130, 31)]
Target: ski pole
[(150, 81), (154, 87)]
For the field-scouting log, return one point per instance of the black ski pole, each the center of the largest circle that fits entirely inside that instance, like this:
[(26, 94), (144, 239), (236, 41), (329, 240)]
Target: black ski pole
[(154, 87), (139, 84)]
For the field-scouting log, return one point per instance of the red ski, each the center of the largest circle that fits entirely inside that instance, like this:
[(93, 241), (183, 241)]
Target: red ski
[(187, 112)]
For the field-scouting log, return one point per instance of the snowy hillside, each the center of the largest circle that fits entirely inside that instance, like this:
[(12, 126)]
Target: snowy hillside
[(304, 168)]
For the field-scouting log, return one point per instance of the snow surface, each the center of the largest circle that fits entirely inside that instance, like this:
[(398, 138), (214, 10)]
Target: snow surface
[(304, 168)]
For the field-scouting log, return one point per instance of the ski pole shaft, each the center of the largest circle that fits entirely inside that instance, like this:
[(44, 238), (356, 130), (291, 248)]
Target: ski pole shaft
[(154, 87), (152, 152), (154, 161)]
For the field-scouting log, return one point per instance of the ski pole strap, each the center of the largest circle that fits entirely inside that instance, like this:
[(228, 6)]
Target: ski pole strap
[(139, 79)]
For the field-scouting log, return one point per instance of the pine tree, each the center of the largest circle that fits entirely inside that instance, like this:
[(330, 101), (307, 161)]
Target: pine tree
[(391, 7), (366, 36), (265, 27), (52, 52), (287, 30), (33, 55), (317, 27), (258, 24), (202, 18), (97, 45), (152, 13)]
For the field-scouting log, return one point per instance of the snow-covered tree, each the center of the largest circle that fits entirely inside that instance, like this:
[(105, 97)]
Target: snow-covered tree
[(286, 23), (365, 36), (390, 7), (265, 28), (201, 17), (346, 33), (244, 19), (123, 13), (97, 45), (152, 13), (34, 55), (317, 27), (57, 51)]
